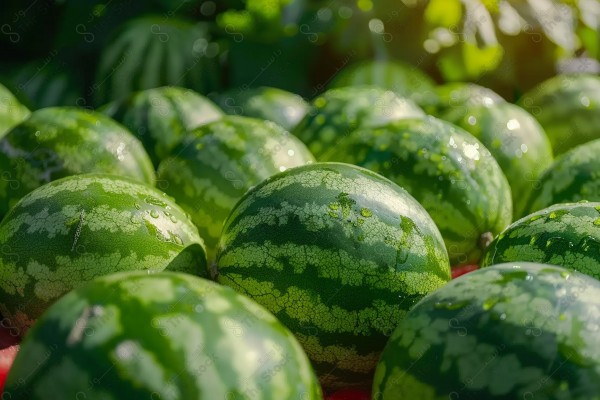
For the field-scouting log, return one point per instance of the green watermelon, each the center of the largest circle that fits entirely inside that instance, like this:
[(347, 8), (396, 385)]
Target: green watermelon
[(153, 51), (48, 82), (563, 234), (61, 141), (277, 105), (338, 112), (217, 163), (72, 230), (512, 331), (338, 254), (446, 169), (162, 336), (517, 142), (574, 176), (12, 112), (161, 117), (567, 107), (403, 79), (455, 99)]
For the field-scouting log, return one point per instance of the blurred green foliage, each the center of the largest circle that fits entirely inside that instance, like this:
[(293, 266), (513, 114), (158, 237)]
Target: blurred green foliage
[(300, 45)]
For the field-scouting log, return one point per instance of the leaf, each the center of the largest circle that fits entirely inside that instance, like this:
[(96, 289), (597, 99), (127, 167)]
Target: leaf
[(556, 20), (479, 61), (445, 13)]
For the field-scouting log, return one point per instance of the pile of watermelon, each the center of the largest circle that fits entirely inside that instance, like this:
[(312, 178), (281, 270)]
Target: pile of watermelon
[(391, 235)]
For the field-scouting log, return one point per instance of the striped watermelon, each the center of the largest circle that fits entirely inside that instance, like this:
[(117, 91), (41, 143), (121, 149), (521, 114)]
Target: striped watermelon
[(338, 112), (161, 117), (338, 254), (48, 82), (153, 51), (446, 169), (567, 107), (219, 162), (61, 141), (277, 105), (563, 234), (11, 110), (512, 331), (574, 176), (403, 79), (162, 336), (517, 142), (72, 230), (455, 99)]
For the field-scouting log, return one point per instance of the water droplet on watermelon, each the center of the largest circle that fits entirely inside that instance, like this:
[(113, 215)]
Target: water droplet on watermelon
[(155, 202), (535, 218), (529, 277), (199, 308), (154, 214), (37, 133), (291, 152), (502, 316), (173, 219), (137, 206), (565, 275), (178, 240), (365, 212)]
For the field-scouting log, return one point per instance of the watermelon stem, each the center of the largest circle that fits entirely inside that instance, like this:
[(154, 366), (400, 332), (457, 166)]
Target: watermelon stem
[(485, 239), (213, 271)]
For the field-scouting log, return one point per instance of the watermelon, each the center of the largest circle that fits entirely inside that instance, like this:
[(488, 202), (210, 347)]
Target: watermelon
[(217, 163), (161, 117), (446, 169), (338, 254), (402, 78), (574, 176), (338, 112), (563, 234), (455, 99), (161, 336), (567, 107), (517, 142), (277, 105), (512, 331), (72, 230), (11, 110), (152, 51), (61, 141), (49, 82)]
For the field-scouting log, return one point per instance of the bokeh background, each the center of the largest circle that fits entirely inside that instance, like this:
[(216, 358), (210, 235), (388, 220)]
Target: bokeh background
[(86, 53)]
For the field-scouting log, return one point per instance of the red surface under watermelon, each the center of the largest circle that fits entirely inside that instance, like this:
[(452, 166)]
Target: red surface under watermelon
[(9, 346)]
